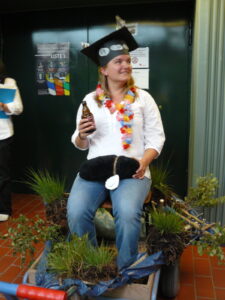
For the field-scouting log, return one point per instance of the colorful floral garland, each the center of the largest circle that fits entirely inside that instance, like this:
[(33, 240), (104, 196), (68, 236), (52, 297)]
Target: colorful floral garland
[(124, 112)]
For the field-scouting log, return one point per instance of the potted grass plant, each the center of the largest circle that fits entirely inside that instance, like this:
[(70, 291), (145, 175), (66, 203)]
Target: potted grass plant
[(51, 189), (25, 233), (83, 270), (175, 224), (77, 258), (167, 233)]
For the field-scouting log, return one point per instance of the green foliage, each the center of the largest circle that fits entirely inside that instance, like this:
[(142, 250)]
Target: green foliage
[(25, 233), (167, 222), (160, 175), (50, 188), (211, 243), (204, 192), (99, 257), (77, 255)]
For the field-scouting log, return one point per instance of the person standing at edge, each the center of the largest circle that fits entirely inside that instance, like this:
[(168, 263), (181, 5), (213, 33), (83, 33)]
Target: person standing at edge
[(6, 137), (127, 123)]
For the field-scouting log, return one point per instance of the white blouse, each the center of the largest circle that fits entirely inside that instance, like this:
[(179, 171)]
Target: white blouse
[(15, 107), (147, 128)]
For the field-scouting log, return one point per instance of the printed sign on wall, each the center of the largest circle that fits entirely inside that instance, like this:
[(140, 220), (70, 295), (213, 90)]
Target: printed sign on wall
[(140, 64), (52, 69)]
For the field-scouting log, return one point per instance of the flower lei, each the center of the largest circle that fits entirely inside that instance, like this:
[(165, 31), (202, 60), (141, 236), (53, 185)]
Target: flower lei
[(124, 112)]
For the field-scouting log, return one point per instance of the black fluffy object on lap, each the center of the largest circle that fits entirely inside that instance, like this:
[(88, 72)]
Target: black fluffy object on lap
[(101, 167)]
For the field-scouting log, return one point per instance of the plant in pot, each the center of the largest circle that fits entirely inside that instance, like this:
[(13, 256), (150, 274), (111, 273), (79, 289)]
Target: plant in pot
[(81, 269), (25, 233), (51, 189), (77, 258), (167, 233)]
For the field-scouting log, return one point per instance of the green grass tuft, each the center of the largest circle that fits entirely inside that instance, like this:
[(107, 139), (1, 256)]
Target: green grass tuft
[(50, 188), (160, 176), (167, 222), (77, 255)]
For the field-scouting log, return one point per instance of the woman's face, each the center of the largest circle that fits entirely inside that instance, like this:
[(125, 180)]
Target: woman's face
[(118, 69)]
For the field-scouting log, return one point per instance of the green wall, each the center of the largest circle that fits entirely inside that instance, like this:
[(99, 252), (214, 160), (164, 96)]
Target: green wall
[(43, 131)]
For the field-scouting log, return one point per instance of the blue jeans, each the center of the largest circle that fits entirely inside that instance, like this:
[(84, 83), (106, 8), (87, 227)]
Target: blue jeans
[(127, 204)]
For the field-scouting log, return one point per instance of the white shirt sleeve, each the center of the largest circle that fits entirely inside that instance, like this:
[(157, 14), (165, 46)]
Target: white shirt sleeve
[(15, 107), (154, 136)]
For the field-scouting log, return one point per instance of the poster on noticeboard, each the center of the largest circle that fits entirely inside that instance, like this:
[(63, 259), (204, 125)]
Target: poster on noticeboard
[(52, 69), (140, 65)]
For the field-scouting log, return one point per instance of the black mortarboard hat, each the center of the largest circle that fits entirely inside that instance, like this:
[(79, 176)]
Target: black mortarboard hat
[(116, 43)]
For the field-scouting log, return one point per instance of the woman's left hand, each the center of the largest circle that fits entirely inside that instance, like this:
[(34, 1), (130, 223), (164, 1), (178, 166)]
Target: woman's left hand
[(140, 173)]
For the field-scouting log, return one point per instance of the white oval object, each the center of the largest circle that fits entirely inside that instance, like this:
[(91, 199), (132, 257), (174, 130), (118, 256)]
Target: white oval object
[(112, 182)]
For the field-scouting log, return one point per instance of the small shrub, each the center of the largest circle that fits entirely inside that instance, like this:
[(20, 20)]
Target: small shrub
[(211, 244), (204, 192), (25, 233)]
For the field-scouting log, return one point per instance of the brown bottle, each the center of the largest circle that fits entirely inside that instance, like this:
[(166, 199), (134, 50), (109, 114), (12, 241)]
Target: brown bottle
[(86, 114)]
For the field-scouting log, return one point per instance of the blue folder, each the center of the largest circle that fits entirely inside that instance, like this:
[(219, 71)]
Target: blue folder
[(6, 96)]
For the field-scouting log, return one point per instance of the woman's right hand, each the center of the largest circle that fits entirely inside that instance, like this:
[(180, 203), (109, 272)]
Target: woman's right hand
[(86, 127)]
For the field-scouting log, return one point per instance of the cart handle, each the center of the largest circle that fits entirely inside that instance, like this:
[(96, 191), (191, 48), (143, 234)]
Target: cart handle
[(31, 292)]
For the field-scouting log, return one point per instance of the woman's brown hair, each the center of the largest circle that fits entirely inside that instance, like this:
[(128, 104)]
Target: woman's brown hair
[(2, 72)]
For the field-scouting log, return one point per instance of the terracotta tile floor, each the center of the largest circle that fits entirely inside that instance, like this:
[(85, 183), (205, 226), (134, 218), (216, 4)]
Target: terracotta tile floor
[(201, 277)]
